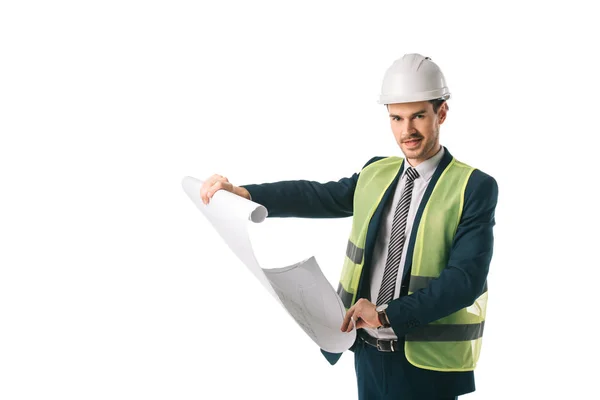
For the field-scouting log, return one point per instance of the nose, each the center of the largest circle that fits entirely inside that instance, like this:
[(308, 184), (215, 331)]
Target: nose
[(409, 127)]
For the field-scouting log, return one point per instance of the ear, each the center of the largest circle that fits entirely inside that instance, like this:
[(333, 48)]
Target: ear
[(442, 113)]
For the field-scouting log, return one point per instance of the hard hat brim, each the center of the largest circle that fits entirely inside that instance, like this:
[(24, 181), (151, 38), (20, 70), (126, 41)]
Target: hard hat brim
[(443, 93)]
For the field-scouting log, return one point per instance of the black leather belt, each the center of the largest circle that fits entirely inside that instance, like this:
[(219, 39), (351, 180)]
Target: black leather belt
[(385, 345)]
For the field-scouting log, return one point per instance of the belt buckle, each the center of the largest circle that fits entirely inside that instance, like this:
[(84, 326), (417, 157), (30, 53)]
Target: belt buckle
[(391, 349)]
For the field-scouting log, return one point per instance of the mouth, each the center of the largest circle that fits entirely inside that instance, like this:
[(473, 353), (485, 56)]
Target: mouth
[(412, 143)]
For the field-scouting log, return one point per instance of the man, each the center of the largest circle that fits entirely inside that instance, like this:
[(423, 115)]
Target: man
[(414, 277)]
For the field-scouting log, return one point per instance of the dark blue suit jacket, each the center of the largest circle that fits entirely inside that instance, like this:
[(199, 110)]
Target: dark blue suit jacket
[(461, 282)]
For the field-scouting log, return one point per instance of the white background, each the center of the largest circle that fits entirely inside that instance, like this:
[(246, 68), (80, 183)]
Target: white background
[(113, 285)]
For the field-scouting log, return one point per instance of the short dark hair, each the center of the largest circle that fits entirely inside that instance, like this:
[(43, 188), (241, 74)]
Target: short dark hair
[(437, 103)]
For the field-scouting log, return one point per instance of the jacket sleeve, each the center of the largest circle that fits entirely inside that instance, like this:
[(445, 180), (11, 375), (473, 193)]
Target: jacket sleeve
[(307, 199), (464, 278)]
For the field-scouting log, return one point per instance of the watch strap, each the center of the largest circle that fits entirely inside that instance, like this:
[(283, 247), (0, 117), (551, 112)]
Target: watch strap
[(383, 319)]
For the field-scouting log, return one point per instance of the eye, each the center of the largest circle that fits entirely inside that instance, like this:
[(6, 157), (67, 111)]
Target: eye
[(420, 116), (396, 118)]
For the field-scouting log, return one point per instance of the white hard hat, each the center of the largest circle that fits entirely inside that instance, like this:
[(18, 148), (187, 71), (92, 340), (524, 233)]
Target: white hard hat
[(413, 78)]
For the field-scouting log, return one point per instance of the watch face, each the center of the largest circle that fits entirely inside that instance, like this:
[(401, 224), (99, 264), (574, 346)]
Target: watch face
[(381, 307)]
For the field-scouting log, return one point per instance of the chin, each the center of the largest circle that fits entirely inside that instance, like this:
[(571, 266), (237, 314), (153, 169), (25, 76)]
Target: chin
[(412, 153)]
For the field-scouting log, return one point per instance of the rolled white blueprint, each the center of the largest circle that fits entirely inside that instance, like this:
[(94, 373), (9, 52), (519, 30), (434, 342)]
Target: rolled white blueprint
[(301, 289)]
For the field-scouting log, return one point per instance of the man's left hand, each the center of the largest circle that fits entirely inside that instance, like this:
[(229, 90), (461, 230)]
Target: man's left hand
[(363, 313)]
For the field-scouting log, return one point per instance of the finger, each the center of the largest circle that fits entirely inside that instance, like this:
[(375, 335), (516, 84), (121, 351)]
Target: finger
[(346, 320), (208, 188), (220, 185), (203, 190), (357, 320), (361, 324)]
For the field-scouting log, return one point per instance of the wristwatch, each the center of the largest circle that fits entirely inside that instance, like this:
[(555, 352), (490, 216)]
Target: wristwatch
[(383, 319)]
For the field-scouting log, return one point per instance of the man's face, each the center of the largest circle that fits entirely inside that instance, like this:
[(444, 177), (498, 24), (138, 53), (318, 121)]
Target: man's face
[(416, 129)]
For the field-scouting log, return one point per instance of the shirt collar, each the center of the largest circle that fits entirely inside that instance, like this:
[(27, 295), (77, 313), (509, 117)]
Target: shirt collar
[(427, 167)]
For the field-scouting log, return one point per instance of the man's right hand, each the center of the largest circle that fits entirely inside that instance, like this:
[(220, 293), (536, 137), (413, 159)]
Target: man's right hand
[(218, 182)]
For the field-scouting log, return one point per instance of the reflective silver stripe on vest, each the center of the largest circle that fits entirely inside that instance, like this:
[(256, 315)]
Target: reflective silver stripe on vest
[(345, 296), (354, 253), (446, 333), (421, 282)]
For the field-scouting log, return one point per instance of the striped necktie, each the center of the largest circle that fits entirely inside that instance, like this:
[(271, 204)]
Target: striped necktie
[(388, 283)]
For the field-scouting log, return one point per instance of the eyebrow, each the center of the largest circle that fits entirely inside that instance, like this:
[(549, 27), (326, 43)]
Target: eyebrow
[(413, 114)]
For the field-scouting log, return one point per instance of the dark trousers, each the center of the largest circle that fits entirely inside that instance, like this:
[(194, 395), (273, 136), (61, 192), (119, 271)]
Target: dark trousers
[(389, 376)]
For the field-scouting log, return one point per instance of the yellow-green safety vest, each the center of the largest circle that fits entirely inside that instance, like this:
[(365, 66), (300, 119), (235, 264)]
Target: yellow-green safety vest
[(451, 343)]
